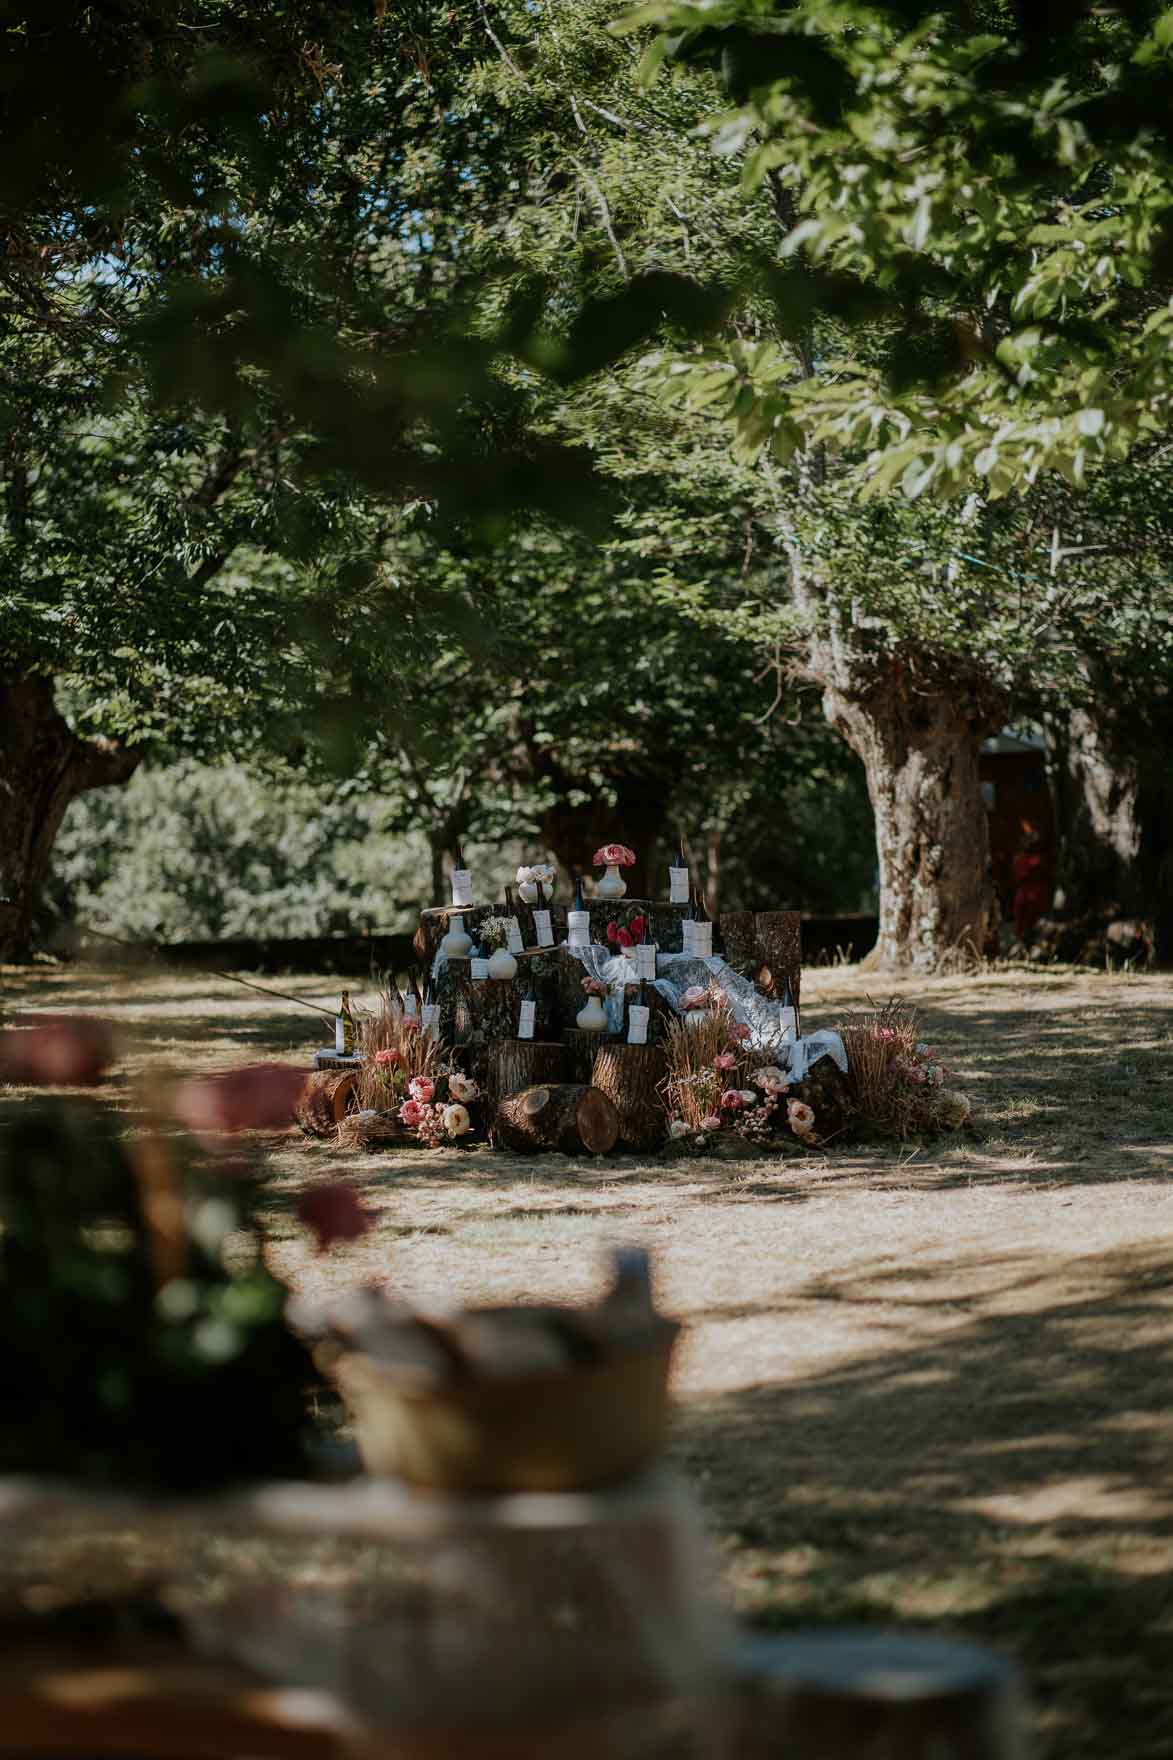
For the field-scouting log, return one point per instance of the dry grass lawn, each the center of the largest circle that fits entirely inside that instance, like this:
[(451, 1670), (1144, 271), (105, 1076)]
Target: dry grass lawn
[(931, 1386)]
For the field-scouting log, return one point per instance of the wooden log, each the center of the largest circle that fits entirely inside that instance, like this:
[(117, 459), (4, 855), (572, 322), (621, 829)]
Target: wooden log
[(581, 1049), (829, 1092), (779, 950), (630, 1075), (572, 1117), (739, 942), (821, 1694), (325, 1101), (454, 1017), (513, 1064)]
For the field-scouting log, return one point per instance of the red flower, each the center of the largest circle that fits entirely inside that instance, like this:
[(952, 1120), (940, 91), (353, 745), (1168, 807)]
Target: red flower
[(335, 1212), (638, 926), (259, 1097), (57, 1051), (612, 934), (624, 939)]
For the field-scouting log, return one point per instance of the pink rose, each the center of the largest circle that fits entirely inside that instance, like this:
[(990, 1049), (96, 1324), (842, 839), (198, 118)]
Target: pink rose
[(724, 1060), (739, 1031), (614, 855), (421, 1088), (410, 1113), (711, 1122), (387, 1057), (694, 997), (731, 1099)]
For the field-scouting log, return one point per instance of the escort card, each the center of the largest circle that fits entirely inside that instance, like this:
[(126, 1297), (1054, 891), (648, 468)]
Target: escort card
[(516, 944), (478, 968), (678, 879), (543, 929), (462, 886), (525, 1026), (645, 959), (637, 1024)]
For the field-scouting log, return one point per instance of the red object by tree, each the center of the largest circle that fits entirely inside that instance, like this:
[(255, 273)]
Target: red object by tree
[(1031, 893)]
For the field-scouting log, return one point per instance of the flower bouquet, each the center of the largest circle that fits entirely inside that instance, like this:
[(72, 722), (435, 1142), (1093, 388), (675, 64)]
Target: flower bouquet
[(611, 857)]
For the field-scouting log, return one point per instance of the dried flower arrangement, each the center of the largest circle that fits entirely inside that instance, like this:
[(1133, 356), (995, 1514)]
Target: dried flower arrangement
[(406, 1080), (711, 1087), (899, 1083)]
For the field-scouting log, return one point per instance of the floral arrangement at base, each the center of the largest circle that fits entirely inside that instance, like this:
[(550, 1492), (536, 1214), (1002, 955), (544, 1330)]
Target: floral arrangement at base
[(714, 1085), (406, 1079), (901, 1088)]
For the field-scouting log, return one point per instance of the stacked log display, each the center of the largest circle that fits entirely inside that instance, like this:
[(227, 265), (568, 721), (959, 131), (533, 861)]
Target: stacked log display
[(566, 1088)]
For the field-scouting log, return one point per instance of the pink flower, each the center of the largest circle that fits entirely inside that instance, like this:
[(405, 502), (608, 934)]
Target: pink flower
[(614, 855), (711, 1122), (731, 1100), (594, 986), (421, 1088), (694, 997), (387, 1057), (724, 1060), (885, 1033), (58, 1051), (739, 1031), (411, 1022), (410, 1113), (800, 1115)]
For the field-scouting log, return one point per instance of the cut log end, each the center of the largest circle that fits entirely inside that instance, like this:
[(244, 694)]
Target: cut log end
[(567, 1116)]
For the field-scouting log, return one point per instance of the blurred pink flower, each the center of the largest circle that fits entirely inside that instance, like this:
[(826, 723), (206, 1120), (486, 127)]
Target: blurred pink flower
[(885, 1033), (421, 1088), (410, 1113), (259, 1097), (57, 1051), (739, 1031), (334, 1212), (387, 1057), (614, 855), (731, 1099), (724, 1060), (711, 1122), (800, 1115)]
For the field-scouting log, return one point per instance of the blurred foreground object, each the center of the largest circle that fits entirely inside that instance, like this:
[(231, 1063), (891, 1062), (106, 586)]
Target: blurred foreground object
[(56, 1051), (839, 1695), (526, 1398)]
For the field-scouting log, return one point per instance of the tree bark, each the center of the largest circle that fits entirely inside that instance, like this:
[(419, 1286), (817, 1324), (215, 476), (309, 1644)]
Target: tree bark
[(920, 747), (630, 1076), (578, 1120), (514, 1064), (43, 766)]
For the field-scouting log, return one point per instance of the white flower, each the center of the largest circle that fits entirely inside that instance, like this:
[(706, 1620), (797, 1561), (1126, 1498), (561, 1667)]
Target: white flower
[(678, 1128), (749, 1098), (462, 1087), (800, 1116), (456, 1121), (770, 1076)]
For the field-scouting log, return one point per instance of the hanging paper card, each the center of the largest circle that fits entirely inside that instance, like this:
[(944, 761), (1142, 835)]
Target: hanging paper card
[(478, 968), (516, 944), (637, 1024), (462, 886), (543, 929), (678, 879), (525, 1025), (702, 940), (645, 959), (410, 1006), (429, 1016), (688, 931)]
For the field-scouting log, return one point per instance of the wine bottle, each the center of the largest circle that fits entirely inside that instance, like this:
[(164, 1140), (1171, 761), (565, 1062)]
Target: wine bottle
[(688, 927), (515, 940), (527, 1016), (579, 900), (344, 1034), (638, 1016), (428, 1011), (543, 927), (788, 1016), (703, 930), (578, 920), (413, 1001), (678, 878)]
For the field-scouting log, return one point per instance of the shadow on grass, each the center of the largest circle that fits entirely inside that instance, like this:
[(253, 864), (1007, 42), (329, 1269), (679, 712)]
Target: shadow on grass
[(1008, 1473)]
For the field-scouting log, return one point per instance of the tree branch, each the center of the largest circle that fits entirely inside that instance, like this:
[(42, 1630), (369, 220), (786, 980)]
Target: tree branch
[(103, 763)]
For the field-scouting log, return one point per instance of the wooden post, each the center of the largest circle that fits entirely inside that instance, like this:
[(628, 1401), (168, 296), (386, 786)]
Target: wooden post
[(630, 1076), (779, 950), (325, 1101), (576, 1119), (825, 1695), (739, 942), (581, 1049), (514, 1064)]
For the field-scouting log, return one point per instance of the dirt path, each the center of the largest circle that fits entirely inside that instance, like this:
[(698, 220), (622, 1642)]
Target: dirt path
[(930, 1386)]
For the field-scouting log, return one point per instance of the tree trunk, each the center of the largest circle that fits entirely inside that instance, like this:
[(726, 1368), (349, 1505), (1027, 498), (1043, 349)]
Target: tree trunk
[(630, 1076), (514, 1064), (578, 1120), (920, 750), (43, 766)]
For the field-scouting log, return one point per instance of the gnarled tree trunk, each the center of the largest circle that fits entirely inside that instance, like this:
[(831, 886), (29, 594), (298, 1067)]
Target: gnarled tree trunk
[(43, 766), (920, 744)]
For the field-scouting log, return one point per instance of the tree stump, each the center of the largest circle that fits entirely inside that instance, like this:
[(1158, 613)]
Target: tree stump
[(630, 1076), (828, 1091), (581, 1050), (778, 937), (571, 1117), (739, 941), (325, 1101), (513, 1064)]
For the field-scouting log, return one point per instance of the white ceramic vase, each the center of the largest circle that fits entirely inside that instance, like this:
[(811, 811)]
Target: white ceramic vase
[(456, 943), (527, 891), (502, 965), (612, 885), (592, 1016)]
